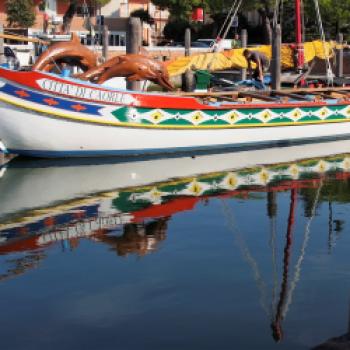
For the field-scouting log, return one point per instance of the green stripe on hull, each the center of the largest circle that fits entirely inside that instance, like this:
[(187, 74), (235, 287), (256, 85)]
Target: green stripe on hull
[(235, 117)]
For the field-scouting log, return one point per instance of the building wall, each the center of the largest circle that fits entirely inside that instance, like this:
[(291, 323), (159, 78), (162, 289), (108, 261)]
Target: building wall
[(113, 8), (115, 12)]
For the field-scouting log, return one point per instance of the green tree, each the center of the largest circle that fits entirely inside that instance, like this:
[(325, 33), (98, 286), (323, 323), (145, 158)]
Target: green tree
[(179, 9), (20, 13), (175, 29), (144, 16), (335, 16)]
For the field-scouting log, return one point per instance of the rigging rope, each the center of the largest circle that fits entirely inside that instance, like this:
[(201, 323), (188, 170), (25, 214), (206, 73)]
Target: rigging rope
[(297, 269), (232, 19), (329, 71), (229, 24), (248, 257), (226, 19)]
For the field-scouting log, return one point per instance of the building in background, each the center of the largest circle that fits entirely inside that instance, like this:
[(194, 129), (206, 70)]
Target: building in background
[(49, 16)]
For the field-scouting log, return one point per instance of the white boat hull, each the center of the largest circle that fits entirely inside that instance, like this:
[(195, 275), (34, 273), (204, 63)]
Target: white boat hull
[(48, 116), (33, 134)]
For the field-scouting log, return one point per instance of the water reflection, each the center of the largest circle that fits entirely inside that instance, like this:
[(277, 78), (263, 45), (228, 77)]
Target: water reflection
[(128, 207)]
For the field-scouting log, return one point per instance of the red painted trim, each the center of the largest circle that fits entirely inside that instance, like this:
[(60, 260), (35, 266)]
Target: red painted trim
[(21, 245), (166, 209), (298, 35), (29, 79)]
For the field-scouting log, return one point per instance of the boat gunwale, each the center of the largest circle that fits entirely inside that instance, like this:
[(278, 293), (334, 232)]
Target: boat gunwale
[(78, 119), (171, 101)]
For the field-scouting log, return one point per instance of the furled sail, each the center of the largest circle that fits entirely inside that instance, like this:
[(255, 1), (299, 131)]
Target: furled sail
[(234, 59)]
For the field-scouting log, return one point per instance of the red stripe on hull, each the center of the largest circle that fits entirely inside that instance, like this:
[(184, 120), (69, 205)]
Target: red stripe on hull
[(29, 79)]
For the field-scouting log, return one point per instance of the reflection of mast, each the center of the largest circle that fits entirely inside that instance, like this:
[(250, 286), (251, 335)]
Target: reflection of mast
[(248, 257), (297, 267), (276, 323), (330, 227), (271, 212)]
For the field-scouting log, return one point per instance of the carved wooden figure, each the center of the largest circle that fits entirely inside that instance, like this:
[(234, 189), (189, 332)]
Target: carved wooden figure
[(133, 67), (69, 52)]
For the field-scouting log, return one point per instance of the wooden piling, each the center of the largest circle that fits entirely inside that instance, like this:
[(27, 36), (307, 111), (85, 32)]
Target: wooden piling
[(105, 42), (188, 79), (188, 42), (276, 58), (244, 41), (271, 204), (339, 56), (2, 52), (133, 45)]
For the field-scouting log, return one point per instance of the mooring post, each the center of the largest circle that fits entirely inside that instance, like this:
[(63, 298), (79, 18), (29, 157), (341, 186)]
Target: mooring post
[(188, 42), (271, 204), (105, 42), (339, 56), (2, 53), (276, 58), (133, 45), (188, 77), (244, 41)]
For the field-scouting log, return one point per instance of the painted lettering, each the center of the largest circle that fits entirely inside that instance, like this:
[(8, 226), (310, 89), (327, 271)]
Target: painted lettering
[(84, 92)]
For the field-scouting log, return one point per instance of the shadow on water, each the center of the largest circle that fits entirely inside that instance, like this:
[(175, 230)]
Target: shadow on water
[(128, 207)]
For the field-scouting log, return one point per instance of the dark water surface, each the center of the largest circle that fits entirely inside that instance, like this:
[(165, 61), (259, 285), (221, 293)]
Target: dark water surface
[(240, 251)]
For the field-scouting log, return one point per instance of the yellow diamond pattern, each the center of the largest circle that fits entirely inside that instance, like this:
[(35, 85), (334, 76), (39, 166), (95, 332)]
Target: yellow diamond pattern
[(157, 116)]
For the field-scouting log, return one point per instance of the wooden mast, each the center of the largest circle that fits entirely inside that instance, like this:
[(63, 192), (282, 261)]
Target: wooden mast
[(299, 36)]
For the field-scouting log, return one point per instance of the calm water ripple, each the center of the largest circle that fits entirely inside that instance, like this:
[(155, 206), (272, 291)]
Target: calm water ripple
[(244, 250)]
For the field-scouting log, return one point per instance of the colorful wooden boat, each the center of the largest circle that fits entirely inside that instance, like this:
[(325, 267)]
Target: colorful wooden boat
[(46, 115)]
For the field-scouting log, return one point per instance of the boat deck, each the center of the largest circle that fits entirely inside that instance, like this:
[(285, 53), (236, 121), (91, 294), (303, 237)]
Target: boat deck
[(328, 94)]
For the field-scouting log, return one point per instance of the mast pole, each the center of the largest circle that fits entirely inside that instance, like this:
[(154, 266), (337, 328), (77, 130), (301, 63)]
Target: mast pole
[(298, 36)]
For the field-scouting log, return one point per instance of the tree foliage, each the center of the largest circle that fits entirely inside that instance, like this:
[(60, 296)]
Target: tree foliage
[(20, 13), (179, 9), (143, 15), (175, 29), (335, 16)]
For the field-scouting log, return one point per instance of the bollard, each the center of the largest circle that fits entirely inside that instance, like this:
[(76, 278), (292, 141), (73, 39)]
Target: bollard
[(105, 43), (276, 58), (339, 57), (133, 45), (244, 41)]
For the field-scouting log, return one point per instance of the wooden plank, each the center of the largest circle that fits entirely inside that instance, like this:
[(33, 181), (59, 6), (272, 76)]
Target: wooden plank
[(294, 96), (323, 89), (347, 93), (319, 94), (268, 95), (23, 38), (227, 98), (258, 96)]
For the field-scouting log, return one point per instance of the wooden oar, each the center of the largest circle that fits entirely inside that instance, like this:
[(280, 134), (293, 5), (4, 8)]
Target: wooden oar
[(23, 38)]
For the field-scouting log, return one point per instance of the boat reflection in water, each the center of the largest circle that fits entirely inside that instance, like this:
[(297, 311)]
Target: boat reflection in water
[(128, 205)]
